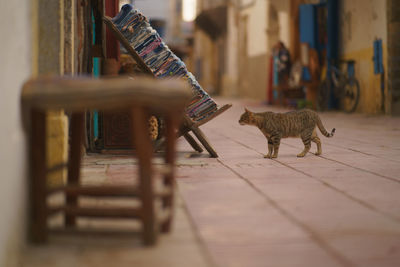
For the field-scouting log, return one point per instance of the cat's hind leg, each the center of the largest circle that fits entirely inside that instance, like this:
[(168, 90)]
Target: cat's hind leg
[(315, 139), (270, 149), (306, 138)]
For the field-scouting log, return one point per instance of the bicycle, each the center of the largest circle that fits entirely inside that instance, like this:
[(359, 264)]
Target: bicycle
[(344, 87)]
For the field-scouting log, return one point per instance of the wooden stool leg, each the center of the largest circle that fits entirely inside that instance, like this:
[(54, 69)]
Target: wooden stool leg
[(159, 144), (192, 142), (203, 140), (185, 133), (37, 146), (144, 151), (74, 161), (171, 124)]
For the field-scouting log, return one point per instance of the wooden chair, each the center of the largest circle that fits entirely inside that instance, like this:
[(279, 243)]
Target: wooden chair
[(188, 124), (76, 95)]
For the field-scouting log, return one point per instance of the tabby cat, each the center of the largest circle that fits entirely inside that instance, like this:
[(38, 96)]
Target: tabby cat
[(299, 123)]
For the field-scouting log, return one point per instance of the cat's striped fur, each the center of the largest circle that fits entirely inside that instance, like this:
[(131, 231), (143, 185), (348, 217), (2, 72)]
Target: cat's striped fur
[(299, 123)]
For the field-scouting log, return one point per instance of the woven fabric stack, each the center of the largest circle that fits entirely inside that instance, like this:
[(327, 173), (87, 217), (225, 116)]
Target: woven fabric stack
[(160, 59)]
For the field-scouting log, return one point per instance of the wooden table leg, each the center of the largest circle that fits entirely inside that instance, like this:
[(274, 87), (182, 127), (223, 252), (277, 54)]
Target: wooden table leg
[(75, 157), (37, 146), (144, 152)]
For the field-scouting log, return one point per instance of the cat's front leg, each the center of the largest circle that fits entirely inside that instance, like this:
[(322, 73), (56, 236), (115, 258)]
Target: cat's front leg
[(276, 150), (276, 141), (270, 149)]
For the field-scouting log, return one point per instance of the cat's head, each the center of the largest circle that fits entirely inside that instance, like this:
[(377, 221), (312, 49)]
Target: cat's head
[(247, 118)]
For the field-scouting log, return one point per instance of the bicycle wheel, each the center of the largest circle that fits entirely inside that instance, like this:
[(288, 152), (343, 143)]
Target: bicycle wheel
[(350, 95), (323, 96)]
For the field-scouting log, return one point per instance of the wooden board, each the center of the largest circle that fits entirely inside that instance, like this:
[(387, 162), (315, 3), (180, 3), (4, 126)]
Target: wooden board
[(82, 93)]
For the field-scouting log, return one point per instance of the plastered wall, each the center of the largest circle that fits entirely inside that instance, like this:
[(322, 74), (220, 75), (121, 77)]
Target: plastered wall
[(267, 22), (15, 56), (156, 9), (253, 69), (361, 21), (230, 78), (34, 45), (256, 28)]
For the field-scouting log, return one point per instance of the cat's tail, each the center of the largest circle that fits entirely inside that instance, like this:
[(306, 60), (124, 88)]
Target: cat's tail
[(323, 130)]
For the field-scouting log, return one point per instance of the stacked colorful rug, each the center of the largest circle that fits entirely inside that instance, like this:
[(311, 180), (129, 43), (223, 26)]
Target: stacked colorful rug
[(160, 59)]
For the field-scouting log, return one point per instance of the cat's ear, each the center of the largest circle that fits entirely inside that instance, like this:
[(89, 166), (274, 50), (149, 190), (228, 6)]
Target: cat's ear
[(245, 109)]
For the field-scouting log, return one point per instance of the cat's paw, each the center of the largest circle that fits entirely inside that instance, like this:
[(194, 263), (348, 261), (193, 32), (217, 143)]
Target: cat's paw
[(301, 155), (317, 153), (267, 156), (274, 156)]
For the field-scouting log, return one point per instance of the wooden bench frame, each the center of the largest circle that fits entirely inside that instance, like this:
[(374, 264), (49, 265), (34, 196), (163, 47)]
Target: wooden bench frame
[(76, 95), (188, 124)]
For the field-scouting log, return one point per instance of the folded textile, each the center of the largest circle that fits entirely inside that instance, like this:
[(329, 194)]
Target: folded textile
[(150, 47)]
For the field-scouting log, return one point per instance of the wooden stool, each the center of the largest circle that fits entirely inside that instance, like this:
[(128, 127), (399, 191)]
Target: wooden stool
[(76, 95)]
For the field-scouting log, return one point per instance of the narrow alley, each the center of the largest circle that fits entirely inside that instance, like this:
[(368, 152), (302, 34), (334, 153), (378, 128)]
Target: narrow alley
[(120, 141)]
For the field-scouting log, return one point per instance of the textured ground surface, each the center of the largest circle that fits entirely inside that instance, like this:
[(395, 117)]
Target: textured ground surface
[(338, 209)]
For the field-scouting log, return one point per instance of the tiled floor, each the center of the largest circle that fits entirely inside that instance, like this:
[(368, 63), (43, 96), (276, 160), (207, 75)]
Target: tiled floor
[(338, 209), (180, 248)]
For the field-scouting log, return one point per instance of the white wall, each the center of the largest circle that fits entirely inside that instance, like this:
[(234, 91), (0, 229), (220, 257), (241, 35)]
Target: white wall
[(283, 8), (257, 26), (155, 9), (257, 11), (232, 47), (15, 68)]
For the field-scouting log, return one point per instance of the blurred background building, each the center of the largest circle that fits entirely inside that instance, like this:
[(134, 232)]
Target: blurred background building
[(227, 44), (234, 42)]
